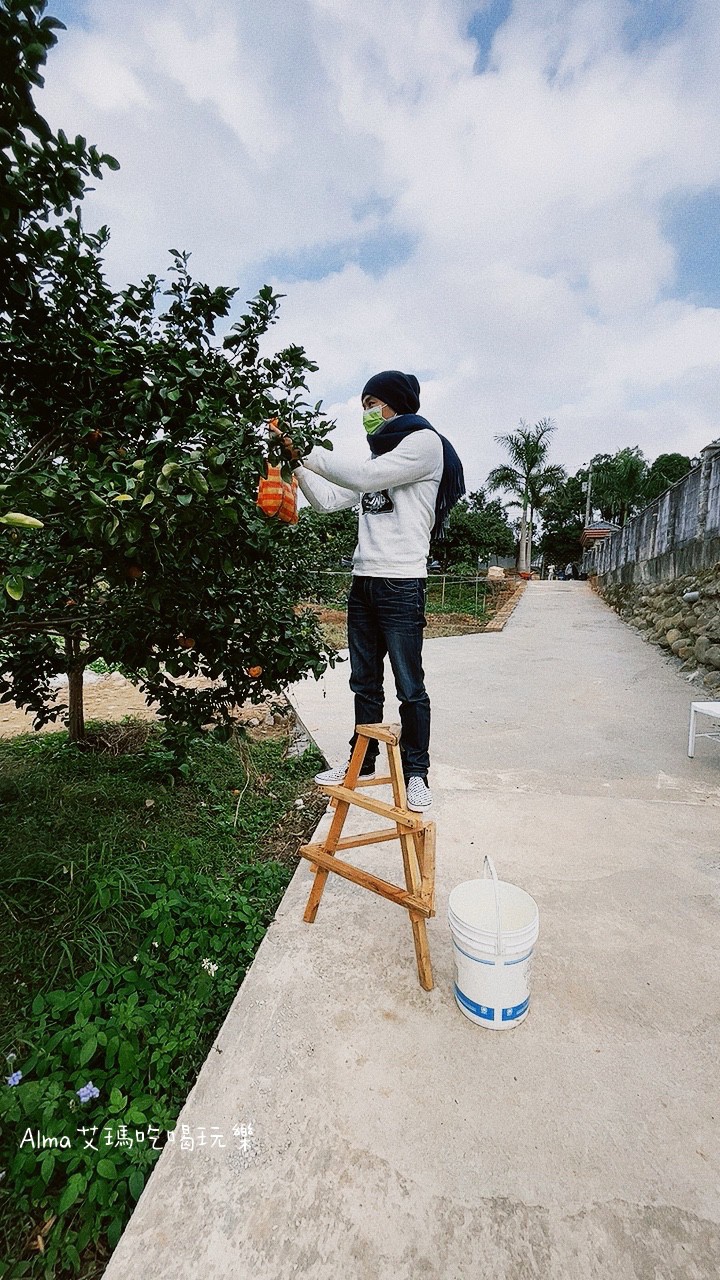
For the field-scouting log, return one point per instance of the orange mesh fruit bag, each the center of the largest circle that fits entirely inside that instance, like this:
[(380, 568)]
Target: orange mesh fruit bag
[(278, 497)]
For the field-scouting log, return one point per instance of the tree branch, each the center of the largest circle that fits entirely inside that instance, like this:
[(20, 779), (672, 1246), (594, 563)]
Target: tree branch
[(37, 451)]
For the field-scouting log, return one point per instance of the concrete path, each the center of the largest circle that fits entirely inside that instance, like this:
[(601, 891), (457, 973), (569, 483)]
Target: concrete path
[(394, 1139)]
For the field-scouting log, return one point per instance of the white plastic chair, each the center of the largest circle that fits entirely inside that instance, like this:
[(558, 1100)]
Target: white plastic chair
[(702, 709)]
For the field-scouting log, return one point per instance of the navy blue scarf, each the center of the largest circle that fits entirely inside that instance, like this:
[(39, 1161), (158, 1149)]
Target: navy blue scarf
[(452, 484)]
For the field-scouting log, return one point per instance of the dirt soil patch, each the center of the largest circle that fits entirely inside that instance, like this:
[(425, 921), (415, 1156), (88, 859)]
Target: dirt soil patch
[(333, 624), (113, 697)]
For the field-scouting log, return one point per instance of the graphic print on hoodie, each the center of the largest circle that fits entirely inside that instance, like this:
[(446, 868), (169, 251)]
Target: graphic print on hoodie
[(375, 504)]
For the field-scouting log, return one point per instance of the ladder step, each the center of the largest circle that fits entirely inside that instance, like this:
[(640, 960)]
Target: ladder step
[(413, 821), (369, 837), (317, 854), (380, 732)]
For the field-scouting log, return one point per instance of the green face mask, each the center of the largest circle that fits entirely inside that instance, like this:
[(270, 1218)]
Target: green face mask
[(372, 419)]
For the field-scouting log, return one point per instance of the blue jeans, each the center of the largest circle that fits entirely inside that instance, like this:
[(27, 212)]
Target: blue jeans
[(387, 615)]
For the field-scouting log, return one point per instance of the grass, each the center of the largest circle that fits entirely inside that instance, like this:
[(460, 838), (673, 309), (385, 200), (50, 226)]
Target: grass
[(69, 816), (121, 867), (468, 595)]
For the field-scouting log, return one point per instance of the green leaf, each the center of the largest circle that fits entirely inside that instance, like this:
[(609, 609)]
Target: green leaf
[(106, 1169), (15, 586), (95, 497), (87, 1051), (117, 1102), (75, 1186), (123, 497), (149, 497), (136, 1182), (126, 1056), (198, 482), (19, 519), (72, 1255), (47, 1165), (114, 1232)]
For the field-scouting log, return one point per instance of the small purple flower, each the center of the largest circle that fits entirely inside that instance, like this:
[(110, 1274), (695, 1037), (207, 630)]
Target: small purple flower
[(15, 1078), (87, 1092)]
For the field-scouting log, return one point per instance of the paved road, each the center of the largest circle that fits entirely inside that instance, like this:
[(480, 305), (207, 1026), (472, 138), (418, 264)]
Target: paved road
[(392, 1138)]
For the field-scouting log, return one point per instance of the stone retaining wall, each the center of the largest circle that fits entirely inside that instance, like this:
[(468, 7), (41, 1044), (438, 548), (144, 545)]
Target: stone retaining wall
[(678, 534), (681, 616)]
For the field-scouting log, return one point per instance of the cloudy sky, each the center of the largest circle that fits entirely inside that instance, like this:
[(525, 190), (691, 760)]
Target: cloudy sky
[(517, 200)]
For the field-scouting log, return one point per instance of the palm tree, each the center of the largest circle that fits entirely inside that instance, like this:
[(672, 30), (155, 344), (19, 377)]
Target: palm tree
[(526, 476), (619, 483), (542, 486)]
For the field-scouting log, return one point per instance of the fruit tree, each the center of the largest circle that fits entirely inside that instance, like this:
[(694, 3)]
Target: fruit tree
[(132, 439)]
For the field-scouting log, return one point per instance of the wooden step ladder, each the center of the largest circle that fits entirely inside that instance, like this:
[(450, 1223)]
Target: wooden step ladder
[(415, 833)]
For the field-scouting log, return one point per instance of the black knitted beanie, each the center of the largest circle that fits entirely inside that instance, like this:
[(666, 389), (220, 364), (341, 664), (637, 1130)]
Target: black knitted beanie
[(400, 391)]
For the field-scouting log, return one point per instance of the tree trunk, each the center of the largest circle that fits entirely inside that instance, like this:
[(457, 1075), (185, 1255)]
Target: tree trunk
[(588, 503), (522, 557), (75, 669)]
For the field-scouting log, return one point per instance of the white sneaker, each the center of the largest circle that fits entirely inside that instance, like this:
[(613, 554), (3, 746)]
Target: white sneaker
[(336, 776), (419, 796)]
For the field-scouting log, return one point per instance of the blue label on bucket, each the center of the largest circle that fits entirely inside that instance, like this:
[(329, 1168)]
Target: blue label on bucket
[(480, 1010), (509, 1015)]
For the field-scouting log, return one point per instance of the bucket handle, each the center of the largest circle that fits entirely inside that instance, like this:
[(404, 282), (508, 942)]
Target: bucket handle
[(488, 862)]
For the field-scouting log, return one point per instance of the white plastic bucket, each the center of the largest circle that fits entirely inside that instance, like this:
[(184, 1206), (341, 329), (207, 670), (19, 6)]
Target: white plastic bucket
[(494, 928)]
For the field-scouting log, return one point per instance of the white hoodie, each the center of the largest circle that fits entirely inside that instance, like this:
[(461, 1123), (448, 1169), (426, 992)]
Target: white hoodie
[(396, 492)]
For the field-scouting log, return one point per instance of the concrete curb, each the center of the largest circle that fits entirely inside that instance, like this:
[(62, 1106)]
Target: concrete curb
[(503, 614)]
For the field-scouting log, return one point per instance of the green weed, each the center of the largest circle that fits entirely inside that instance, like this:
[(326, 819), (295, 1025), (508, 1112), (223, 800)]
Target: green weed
[(135, 894)]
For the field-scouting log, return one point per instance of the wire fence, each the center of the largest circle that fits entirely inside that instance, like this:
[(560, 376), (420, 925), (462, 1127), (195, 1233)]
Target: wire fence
[(470, 594)]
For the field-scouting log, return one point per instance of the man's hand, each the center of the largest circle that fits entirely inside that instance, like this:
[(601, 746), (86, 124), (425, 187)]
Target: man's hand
[(285, 441)]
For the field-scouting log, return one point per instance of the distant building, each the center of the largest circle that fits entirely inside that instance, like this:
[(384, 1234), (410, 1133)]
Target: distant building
[(595, 530), (505, 562), (592, 533)]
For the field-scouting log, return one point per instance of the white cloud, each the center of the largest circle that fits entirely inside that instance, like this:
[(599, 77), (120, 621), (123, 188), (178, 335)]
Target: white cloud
[(94, 75), (211, 66), (540, 277)]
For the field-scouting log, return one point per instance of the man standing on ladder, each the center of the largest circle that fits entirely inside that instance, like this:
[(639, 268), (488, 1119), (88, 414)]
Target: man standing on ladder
[(405, 490)]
